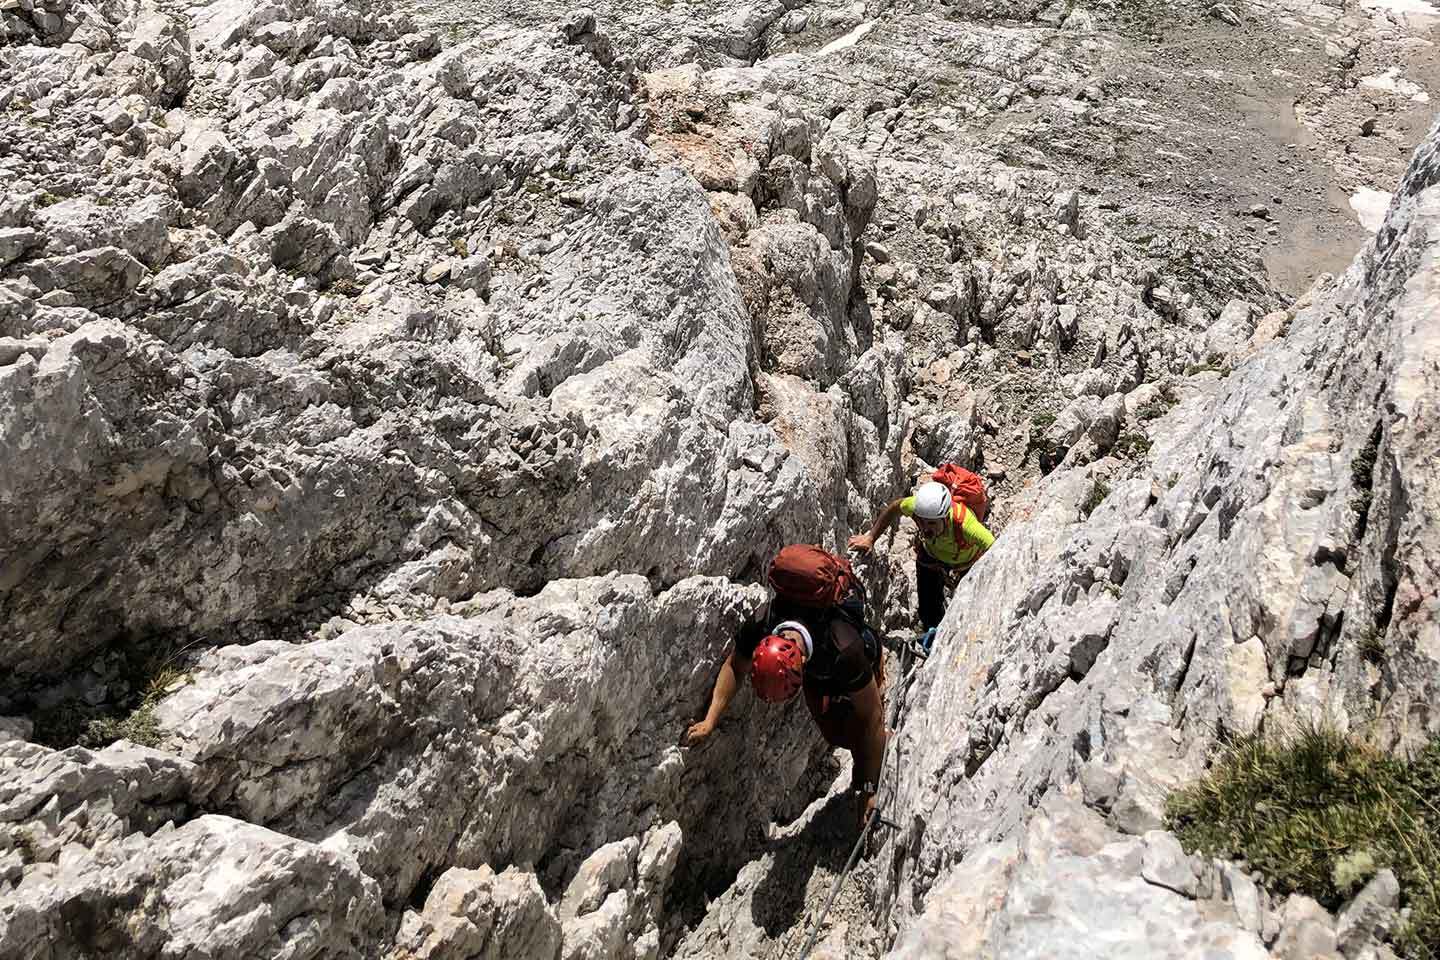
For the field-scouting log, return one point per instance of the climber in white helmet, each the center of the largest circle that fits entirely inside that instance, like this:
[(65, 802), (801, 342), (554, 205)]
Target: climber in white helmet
[(951, 538)]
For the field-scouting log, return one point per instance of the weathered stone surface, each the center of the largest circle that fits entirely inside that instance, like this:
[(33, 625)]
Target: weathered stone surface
[(219, 887), (447, 719), (1307, 931), (477, 913), (16, 241), (96, 278), (434, 393), (1368, 919), (1166, 864), (1069, 888), (607, 400), (1227, 593)]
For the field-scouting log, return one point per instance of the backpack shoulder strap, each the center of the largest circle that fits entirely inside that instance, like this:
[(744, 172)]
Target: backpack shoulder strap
[(957, 515)]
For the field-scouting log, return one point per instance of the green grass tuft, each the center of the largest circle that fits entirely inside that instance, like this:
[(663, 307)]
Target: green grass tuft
[(1362, 477), (75, 723), (1159, 405), (1132, 446), (1371, 644), (1099, 490), (1318, 813)]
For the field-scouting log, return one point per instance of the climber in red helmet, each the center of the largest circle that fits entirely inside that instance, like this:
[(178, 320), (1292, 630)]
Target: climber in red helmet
[(830, 654)]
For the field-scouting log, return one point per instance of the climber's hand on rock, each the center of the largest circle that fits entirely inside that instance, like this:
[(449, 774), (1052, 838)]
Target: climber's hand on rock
[(697, 732), (862, 543)]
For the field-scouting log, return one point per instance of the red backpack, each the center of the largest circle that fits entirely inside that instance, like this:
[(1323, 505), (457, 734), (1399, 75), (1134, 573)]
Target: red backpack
[(965, 486), (811, 577)]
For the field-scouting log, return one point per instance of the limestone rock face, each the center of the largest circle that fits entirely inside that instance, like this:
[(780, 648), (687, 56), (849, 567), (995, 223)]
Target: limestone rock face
[(397, 414), (1064, 882), (417, 402), (300, 368), (516, 728), (213, 887), (1242, 576), (477, 913)]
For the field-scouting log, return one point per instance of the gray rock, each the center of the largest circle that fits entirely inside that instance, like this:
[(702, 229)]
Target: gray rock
[(472, 273), (437, 271), (1307, 932), (1065, 207), (16, 309), (481, 914), (1167, 864), (141, 228), (368, 686), (1227, 336), (1368, 919), (1096, 382), (116, 119), (1047, 897), (369, 501), (15, 242), (95, 278), (610, 868), (1225, 13), (275, 889), (1242, 893)]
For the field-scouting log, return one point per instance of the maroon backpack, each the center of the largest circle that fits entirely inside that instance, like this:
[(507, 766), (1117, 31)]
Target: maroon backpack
[(809, 576)]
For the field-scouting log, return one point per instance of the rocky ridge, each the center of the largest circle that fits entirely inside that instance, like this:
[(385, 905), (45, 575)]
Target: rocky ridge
[(425, 402)]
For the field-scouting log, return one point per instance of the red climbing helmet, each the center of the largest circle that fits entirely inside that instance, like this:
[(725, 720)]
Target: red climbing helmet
[(776, 671)]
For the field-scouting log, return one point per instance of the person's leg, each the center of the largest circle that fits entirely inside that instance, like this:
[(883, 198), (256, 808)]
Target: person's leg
[(930, 586), (829, 715), (874, 653), (856, 723), (867, 734)]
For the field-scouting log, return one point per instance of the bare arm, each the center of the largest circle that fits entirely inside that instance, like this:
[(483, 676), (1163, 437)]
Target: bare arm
[(865, 542), (726, 684)]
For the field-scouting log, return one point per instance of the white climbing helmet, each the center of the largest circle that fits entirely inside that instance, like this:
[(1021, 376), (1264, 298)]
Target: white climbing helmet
[(932, 501)]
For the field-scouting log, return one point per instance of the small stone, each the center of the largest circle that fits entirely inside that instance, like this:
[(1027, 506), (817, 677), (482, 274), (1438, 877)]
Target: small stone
[(1225, 13), (1241, 891), (437, 271), (1260, 211), (1305, 931), (1165, 863), (58, 298), (14, 241), (117, 119), (472, 273), (1368, 918)]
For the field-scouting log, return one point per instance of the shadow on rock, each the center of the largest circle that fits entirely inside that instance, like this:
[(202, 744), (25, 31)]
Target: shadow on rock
[(824, 844)]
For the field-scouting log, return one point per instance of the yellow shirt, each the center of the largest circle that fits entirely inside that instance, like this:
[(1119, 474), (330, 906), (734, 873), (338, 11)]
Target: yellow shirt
[(950, 550)]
